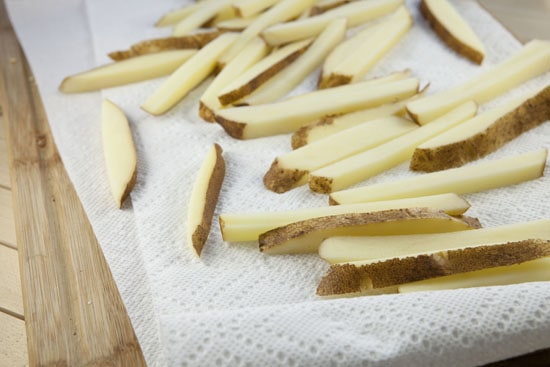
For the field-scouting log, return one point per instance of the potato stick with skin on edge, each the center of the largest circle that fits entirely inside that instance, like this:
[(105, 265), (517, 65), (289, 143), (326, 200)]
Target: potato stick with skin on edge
[(306, 236), (248, 226), (370, 50), (248, 8), (280, 12), (355, 13), (472, 178), (347, 249), (453, 29), (209, 103), (292, 169), (133, 70), (359, 167), (299, 70), (360, 277), (205, 12), (261, 72), (484, 134), (532, 60), (288, 115), (529, 271), (187, 76)]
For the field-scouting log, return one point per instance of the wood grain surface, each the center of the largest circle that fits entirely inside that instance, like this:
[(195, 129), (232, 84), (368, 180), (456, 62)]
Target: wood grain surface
[(74, 315)]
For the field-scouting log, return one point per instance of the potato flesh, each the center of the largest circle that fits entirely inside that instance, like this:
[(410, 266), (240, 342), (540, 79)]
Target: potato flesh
[(532, 60), (374, 47), (248, 57), (119, 150), (352, 249), (236, 88), (529, 271), (359, 167), (187, 76), (174, 16), (290, 114), (248, 226), (123, 72), (280, 12), (234, 25), (455, 24), (201, 15), (295, 73), (355, 13), (248, 8), (462, 180)]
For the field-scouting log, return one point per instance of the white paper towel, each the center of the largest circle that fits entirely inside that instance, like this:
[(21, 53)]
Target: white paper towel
[(235, 306)]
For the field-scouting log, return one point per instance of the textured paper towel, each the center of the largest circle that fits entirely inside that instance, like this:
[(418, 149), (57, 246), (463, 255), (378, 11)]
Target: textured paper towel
[(236, 306)]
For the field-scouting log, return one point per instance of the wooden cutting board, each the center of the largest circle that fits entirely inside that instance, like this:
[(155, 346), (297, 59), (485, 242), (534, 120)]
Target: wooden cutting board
[(74, 314)]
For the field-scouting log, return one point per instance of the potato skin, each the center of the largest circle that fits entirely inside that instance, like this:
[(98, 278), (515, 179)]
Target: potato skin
[(442, 32), (280, 180), (528, 115)]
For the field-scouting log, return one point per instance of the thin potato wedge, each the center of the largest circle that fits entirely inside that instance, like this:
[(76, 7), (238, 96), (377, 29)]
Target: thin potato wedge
[(322, 6), (205, 12), (248, 8), (174, 16)]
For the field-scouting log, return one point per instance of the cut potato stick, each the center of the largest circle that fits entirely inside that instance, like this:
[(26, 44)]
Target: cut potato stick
[(235, 24), (359, 167), (204, 197), (292, 169), (174, 16), (128, 71), (484, 134), (248, 8), (226, 14), (280, 12), (306, 236), (326, 126), (261, 72), (196, 41), (187, 76), (532, 60), (360, 277), (453, 29), (295, 73), (462, 180), (209, 103), (347, 249), (529, 271), (322, 6), (289, 115), (368, 50), (205, 12), (355, 13), (248, 226), (119, 151)]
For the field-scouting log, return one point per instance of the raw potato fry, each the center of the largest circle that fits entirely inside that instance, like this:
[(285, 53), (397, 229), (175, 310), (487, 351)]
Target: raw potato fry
[(292, 169), (322, 6), (529, 271), (205, 12), (235, 24), (347, 249), (289, 115), (295, 73), (119, 151), (187, 76), (248, 8), (128, 71), (261, 72), (532, 60), (462, 180), (174, 16), (248, 226), (195, 41), (209, 103), (280, 12), (306, 236), (369, 163), (355, 13), (226, 14), (204, 197), (367, 51), (360, 277), (453, 29), (484, 134)]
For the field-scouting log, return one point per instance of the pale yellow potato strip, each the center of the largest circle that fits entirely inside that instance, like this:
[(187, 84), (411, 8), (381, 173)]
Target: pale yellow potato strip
[(174, 16), (472, 178), (187, 76), (201, 15), (248, 8)]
